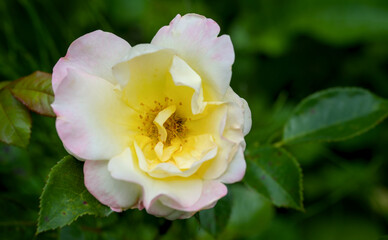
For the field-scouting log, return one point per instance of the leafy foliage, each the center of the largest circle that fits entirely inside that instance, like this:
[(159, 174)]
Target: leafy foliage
[(285, 50), (214, 220), (35, 92), (233, 216), (65, 197), (334, 114), (275, 174), (15, 122), (251, 213), (4, 84)]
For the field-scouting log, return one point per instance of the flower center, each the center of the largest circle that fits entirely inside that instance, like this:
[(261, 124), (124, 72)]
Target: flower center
[(162, 123), (175, 127)]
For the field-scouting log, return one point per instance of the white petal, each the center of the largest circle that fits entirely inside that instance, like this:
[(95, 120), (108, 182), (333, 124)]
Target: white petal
[(211, 192), (247, 117), (216, 167), (185, 191), (236, 168), (231, 143), (95, 53), (195, 40), (183, 75), (168, 208), (240, 114), (92, 121), (116, 194)]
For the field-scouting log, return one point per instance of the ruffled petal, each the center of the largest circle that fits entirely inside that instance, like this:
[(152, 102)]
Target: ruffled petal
[(199, 149), (185, 191), (214, 168), (95, 53), (116, 194), (92, 122), (166, 207), (213, 122), (195, 40), (212, 191), (247, 117), (230, 135), (236, 168), (183, 75), (240, 115)]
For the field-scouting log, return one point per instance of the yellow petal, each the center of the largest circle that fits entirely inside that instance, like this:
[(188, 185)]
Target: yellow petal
[(161, 118), (159, 150), (142, 140), (194, 150), (164, 154)]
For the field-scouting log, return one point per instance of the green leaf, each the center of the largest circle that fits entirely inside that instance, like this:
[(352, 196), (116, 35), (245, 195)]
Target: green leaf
[(65, 197), (4, 84), (251, 213), (35, 92), (214, 220), (15, 121), (335, 114), (275, 174)]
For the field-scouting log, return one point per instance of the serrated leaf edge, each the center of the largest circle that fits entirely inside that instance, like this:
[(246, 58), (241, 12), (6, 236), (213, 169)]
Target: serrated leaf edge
[(11, 86), (38, 230), (31, 109)]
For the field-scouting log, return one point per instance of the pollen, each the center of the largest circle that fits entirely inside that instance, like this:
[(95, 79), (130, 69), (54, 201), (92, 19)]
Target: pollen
[(174, 126)]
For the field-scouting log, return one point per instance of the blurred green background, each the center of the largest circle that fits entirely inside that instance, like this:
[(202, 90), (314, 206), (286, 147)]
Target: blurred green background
[(285, 50)]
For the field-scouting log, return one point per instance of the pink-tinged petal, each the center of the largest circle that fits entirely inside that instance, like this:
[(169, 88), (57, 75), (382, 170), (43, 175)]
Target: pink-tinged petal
[(247, 117), (92, 121), (166, 207), (236, 169), (116, 194), (185, 191), (160, 210), (95, 53), (240, 115), (195, 40), (212, 191)]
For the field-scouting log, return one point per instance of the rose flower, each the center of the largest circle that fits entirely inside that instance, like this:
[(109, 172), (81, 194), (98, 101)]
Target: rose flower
[(157, 125)]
